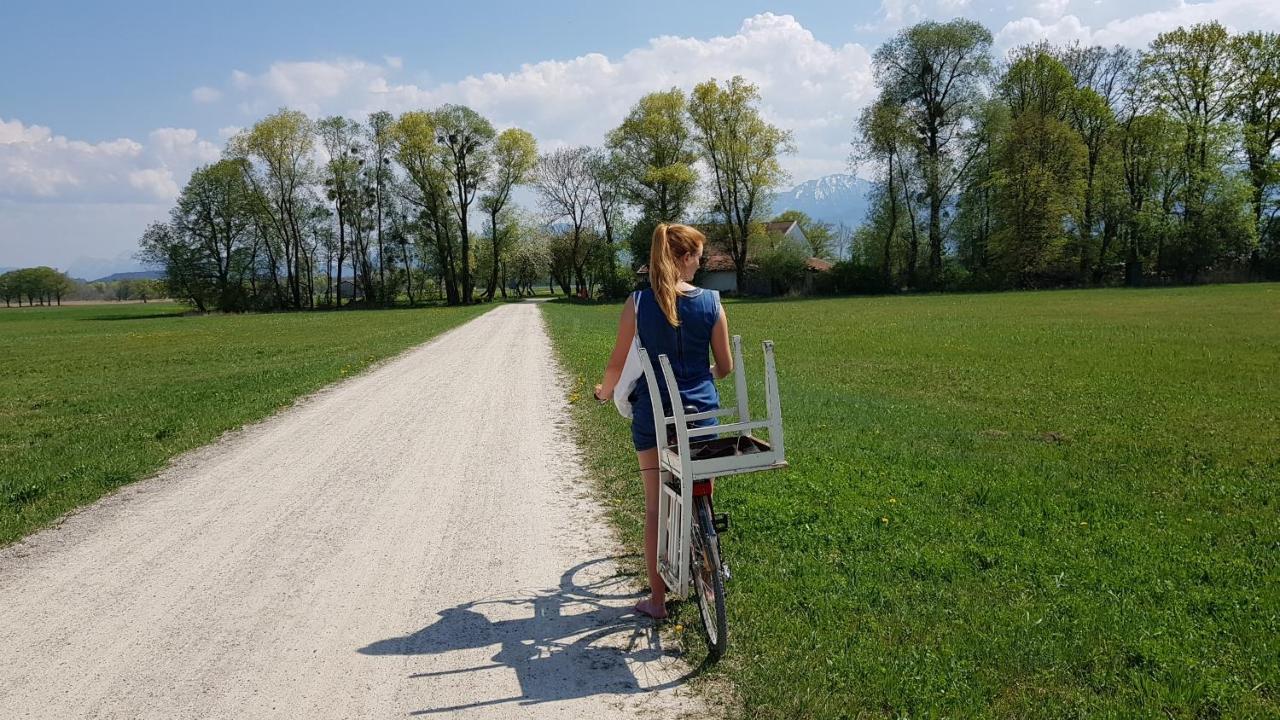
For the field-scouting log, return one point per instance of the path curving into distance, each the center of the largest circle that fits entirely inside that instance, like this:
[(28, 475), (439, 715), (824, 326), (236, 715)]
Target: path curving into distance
[(413, 542)]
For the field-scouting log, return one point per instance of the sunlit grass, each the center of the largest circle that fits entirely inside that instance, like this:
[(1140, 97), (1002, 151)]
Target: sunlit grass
[(93, 397), (1059, 504)]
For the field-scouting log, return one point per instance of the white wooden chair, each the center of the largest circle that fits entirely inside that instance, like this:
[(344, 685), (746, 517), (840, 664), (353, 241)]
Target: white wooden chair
[(698, 454)]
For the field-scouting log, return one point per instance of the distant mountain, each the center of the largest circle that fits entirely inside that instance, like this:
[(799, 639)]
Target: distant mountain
[(139, 275), (96, 267), (835, 199)]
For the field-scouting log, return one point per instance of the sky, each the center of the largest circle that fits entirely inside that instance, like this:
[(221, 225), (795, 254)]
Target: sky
[(105, 108)]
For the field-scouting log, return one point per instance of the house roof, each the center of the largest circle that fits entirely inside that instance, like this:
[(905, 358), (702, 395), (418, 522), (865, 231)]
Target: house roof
[(779, 228)]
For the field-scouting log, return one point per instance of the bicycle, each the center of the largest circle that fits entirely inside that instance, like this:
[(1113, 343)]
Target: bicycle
[(689, 552)]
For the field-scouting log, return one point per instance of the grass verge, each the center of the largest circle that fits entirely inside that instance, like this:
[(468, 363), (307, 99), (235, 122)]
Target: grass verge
[(96, 396)]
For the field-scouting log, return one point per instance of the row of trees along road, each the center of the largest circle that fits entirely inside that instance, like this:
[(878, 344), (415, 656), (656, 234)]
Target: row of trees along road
[(304, 214), (1071, 165)]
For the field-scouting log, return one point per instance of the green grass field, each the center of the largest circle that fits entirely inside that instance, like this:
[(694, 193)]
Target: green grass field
[(1023, 505), (93, 397)]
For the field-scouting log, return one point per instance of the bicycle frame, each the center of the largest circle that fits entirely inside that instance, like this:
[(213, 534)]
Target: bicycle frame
[(678, 462)]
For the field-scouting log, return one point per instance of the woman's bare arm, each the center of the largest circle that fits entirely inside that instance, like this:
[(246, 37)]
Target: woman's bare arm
[(720, 347), (621, 346)]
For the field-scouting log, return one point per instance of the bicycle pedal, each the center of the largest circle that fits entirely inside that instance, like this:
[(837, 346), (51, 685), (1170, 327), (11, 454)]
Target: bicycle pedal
[(720, 522)]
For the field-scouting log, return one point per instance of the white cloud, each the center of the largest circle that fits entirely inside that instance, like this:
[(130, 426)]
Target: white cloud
[(206, 94), (1030, 30), (1052, 9), (36, 164), (394, 62), (1139, 30)]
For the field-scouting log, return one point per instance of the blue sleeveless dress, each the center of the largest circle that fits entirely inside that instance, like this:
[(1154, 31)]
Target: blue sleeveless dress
[(687, 347)]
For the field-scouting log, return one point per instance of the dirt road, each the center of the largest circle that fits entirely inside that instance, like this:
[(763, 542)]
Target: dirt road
[(410, 542)]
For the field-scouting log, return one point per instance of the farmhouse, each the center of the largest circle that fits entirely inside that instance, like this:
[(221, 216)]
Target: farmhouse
[(718, 271)]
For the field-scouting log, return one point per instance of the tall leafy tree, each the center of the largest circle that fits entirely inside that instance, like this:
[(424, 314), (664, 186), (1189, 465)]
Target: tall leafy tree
[(655, 148), (742, 152), (341, 180), (606, 174), (1257, 59), (515, 153), (379, 180), (1191, 75), (563, 180), (1040, 163), (213, 216), (277, 162), (467, 139), (423, 158), (886, 142), (935, 72)]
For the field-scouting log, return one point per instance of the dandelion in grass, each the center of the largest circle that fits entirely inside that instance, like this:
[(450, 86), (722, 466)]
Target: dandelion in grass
[(884, 521)]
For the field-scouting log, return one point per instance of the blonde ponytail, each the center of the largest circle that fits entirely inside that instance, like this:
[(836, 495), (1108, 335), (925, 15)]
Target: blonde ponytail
[(670, 242)]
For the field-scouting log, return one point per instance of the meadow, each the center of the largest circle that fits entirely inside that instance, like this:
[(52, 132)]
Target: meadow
[(96, 396), (1020, 505)]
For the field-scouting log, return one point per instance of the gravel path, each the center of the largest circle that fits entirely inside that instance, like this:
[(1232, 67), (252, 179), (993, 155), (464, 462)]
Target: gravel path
[(410, 542)]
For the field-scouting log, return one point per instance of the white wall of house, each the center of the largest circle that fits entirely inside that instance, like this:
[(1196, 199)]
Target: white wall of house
[(723, 281)]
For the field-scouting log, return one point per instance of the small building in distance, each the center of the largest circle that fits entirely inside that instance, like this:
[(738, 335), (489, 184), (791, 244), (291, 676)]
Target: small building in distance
[(718, 271)]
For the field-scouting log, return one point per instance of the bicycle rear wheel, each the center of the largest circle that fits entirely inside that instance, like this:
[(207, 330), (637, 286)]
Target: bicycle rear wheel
[(708, 578)]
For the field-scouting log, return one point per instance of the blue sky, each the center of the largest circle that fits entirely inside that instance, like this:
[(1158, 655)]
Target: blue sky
[(106, 107)]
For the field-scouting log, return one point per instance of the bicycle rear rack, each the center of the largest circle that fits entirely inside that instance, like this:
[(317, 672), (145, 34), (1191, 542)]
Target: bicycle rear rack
[(699, 455)]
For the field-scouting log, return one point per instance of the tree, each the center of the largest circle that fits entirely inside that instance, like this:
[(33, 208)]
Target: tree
[(422, 156), (607, 187), (341, 180), (515, 153), (1190, 74), (1040, 166), (530, 258), (276, 160), (467, 139), (187, 270), (213, 217), (977, 216), (656, 155), (563, 180), (379, 173), (1256, 56), (742, 152), (886, 141), (934, 71)]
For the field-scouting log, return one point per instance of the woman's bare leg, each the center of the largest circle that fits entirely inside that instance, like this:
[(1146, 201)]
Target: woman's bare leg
[(655, 604)]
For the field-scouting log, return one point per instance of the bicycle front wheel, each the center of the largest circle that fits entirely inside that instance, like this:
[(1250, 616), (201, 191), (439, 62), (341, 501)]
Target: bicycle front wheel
[(708, 579)]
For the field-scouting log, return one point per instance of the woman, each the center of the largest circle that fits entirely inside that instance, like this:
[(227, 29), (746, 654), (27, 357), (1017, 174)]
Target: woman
[(680, 321)]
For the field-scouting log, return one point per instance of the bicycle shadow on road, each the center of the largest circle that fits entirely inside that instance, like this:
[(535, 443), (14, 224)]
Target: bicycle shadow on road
[(574, 641)]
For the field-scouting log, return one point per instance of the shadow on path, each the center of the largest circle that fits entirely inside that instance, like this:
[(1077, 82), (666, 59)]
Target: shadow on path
[(577, 640)]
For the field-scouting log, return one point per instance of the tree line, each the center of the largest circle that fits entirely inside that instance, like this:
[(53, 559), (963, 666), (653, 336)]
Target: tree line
[(1056, 166), (1070, 165), (47, 286), (303, 213), (37, 285)]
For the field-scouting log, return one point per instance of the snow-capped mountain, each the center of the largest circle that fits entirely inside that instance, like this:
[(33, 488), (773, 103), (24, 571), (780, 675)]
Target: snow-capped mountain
[(835, 199)]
